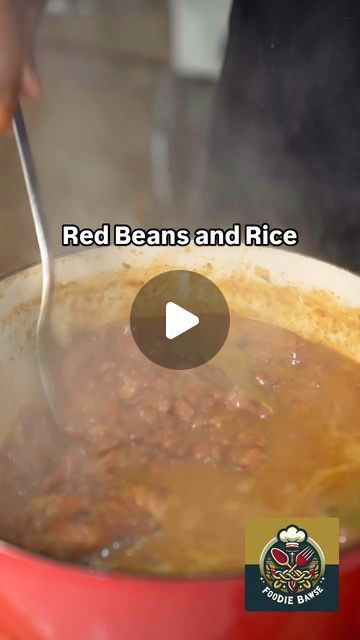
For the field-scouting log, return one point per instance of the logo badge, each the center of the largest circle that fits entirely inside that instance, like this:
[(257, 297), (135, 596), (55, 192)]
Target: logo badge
[(296, 568)]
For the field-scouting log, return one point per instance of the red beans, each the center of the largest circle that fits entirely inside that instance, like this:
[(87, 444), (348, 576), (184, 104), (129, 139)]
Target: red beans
[(184, 410), (174, 444), (73, 526), (236, 399), (208, 453), (206, 403), (121, 413), (180, 415), (247, 459)]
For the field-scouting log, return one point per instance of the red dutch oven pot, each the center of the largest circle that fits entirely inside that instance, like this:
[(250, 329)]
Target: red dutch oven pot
[(44, 600), (41, 599)]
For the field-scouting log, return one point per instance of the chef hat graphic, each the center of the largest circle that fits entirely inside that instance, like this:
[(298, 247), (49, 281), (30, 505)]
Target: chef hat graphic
[(292, 537)]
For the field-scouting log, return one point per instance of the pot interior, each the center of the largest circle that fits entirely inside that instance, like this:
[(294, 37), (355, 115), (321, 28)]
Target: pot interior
[(96, 288)]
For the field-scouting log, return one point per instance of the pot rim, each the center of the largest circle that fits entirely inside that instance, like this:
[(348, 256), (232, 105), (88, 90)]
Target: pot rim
[(14, 552)]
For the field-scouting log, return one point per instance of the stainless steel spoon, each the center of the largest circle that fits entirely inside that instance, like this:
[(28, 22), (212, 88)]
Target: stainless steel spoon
[(44, 337)]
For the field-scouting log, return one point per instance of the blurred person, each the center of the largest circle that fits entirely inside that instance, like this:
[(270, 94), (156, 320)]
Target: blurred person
[(285, 144)]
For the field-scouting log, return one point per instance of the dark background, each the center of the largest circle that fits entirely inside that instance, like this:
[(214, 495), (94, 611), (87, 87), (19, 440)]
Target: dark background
[(286, 139)]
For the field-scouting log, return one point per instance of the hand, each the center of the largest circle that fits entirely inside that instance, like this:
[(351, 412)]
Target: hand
[(18, 21)]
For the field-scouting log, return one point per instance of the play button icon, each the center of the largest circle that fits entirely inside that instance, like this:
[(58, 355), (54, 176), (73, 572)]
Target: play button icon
[(180, 319)]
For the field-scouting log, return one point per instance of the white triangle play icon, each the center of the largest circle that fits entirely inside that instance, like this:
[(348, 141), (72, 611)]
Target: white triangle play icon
[(178, 320)]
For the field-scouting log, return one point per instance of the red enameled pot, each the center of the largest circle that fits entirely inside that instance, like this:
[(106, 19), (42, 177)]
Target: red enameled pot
[(42, 599)]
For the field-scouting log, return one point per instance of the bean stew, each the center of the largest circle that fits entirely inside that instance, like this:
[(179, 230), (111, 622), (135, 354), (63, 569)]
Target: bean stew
[(157, 469)]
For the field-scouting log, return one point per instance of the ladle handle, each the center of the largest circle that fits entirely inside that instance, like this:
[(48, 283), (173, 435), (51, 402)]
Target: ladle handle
[(43, 333), (28, 168)]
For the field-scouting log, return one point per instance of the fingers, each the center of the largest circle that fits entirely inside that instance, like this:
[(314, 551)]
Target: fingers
[(29, 81), (10, 65), (17, 70), (9, 88), (26, 82), (7, 108)]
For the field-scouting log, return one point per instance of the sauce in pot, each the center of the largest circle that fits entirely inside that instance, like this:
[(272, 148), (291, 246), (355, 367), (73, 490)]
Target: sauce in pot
[(158, 469)]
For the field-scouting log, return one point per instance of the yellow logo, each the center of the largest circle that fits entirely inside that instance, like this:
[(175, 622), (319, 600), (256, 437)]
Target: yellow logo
[(291, 565)]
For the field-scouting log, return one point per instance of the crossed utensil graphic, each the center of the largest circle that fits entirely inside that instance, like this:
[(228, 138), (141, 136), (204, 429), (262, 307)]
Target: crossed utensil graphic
[(293, 575)]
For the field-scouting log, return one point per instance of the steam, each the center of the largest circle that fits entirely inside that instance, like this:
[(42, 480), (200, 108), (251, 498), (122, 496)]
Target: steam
[(285, 145)]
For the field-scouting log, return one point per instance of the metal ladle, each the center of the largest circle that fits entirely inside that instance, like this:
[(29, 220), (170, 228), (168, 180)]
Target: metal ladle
[(44, 337)]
